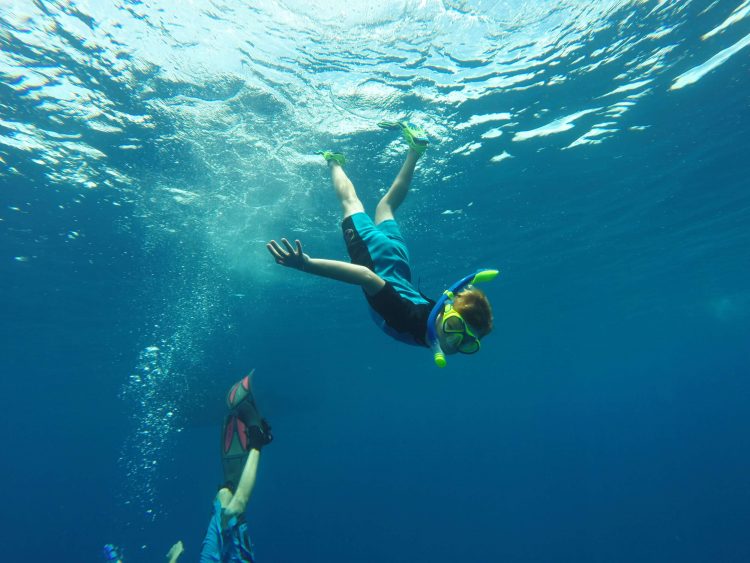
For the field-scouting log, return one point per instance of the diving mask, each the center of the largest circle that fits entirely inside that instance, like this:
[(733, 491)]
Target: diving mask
[(458, 333)]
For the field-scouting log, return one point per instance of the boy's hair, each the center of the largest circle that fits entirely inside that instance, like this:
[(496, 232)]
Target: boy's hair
[(472, 304)]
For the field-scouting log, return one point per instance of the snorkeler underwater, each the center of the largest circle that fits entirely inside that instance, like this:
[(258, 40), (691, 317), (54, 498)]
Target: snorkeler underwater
[(489, 259)]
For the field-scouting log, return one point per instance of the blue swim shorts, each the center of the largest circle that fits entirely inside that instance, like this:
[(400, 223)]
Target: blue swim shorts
[(229, 545), (381, 248)]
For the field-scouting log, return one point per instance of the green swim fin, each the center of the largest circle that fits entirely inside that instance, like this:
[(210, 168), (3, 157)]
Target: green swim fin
[(335, 156), (415, 136)]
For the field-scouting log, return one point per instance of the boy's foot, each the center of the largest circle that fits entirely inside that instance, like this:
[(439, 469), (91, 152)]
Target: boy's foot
[(335, 156), (414, 135)]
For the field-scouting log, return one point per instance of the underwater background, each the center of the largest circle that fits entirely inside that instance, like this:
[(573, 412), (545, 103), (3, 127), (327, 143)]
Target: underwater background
[(595, 152)]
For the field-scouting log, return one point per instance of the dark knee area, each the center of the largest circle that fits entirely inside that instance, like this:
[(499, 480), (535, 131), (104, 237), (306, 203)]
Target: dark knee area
[(355, 246)]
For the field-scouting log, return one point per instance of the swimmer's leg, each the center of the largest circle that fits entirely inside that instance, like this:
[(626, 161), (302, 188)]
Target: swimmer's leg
[(224, 496), (342, 185), (398, 190), (238, 502)]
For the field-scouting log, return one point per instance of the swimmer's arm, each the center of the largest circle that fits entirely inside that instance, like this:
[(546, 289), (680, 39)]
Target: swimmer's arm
[(175, 551), (334, 269), (346, 272)]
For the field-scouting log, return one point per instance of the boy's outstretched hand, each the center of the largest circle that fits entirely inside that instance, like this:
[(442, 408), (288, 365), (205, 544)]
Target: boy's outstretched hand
[(290, 257)]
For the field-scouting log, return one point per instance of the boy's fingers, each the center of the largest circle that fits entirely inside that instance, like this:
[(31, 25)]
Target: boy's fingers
[(277, 248), (299, 247), (274, 249), (288, 246)]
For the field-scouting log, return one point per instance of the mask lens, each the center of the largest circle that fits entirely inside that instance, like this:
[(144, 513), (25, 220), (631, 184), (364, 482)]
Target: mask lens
[(469, 346), (453, 340), (454, 324)]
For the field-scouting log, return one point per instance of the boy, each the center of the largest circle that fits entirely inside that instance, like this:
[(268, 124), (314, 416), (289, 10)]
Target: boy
[(380, 265)]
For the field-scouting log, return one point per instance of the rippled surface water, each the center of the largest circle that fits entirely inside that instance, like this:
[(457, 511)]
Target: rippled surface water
[(594, 151)]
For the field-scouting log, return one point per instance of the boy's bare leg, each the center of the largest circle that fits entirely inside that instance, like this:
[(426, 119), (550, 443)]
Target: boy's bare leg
[(344, 189), (224, 496), (398, 190), (239, 500)]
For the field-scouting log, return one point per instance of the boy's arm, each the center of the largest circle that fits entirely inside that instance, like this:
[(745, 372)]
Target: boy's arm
[(334, 269), (346, 272)]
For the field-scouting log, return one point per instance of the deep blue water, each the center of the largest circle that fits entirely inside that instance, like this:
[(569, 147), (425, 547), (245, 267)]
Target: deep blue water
[(148, 152)]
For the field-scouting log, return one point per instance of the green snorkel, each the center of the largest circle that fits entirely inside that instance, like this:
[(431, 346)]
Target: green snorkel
[(480, 276)]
